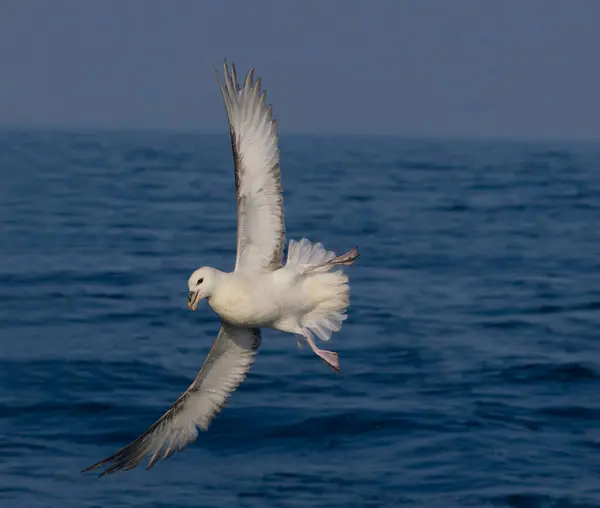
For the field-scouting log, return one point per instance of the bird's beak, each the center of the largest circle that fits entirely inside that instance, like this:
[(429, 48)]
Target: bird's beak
[(193, 299)]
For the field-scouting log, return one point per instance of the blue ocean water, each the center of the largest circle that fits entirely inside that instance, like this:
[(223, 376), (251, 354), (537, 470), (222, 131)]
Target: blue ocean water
[(470, 359)]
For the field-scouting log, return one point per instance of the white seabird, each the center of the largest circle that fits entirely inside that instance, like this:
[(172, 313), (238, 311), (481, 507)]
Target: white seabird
[(303, 297)]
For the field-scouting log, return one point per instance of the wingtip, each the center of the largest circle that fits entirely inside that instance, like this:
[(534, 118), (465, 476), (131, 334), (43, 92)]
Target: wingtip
[(153, 460), (91, 468), (98, 465), (234, 77), (225, 67)]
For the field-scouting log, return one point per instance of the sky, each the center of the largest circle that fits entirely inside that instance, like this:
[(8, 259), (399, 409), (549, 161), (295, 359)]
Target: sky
[(524, 69)]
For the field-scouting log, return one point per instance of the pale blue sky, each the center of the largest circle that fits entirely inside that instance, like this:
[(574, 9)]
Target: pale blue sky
[(493, 68)]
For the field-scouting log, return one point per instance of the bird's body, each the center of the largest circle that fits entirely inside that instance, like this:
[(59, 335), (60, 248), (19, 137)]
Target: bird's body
[(307, 296), (288, 299), (253, 302)]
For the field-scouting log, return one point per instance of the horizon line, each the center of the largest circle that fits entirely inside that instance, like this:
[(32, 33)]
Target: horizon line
[(73, 129)]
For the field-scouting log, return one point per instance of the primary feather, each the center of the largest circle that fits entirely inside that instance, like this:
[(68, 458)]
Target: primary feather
[(254, 140), (225, 367)]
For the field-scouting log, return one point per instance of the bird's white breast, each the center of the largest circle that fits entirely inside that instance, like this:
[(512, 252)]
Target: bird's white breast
[(245, 301)]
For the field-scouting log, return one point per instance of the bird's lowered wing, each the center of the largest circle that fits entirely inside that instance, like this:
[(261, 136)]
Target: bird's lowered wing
[(254, 140), (225, 367)]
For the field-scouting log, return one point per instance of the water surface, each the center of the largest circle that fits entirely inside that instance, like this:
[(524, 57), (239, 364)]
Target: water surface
[(471, 357)]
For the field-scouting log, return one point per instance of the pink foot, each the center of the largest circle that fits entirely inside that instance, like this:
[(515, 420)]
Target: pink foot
[(331, 358)]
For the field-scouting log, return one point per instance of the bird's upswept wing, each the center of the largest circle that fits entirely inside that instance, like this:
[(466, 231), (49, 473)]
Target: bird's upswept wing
[(254, 140), (225, 367)]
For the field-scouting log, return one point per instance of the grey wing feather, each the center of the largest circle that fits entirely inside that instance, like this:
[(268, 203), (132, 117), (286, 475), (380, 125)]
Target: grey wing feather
[(225, 367), (255, 146)]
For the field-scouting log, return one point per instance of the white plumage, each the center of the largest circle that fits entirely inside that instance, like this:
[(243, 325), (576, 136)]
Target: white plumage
[(308, 296), (254, 137)]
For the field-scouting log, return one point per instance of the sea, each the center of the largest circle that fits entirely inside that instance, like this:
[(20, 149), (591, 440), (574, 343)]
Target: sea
[(470, 358)]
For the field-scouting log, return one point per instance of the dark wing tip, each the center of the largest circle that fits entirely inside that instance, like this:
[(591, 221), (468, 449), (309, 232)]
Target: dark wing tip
[(95, 466), (224, 65), (127, 457)]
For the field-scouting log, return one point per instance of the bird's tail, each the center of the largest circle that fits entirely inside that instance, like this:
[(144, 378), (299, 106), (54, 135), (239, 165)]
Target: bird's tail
[(304, 257), (327, 291)]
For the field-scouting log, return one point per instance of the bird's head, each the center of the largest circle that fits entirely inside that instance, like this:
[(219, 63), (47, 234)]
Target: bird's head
[(201, 285)]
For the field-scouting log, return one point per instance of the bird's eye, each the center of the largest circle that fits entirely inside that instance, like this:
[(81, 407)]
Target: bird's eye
[(200, 281)]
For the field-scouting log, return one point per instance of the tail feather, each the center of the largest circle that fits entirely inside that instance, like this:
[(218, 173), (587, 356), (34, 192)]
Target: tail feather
[(328, 290), (305, 256), (324, 326)]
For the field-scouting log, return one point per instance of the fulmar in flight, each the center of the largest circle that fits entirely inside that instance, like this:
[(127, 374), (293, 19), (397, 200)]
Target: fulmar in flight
[(308, 296)]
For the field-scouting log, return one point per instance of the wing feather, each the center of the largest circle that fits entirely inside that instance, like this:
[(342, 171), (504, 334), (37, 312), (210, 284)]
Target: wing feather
[(225, 367), (255, 146)]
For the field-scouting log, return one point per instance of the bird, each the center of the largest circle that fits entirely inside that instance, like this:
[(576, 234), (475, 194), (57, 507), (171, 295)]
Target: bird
[(307, 296)]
